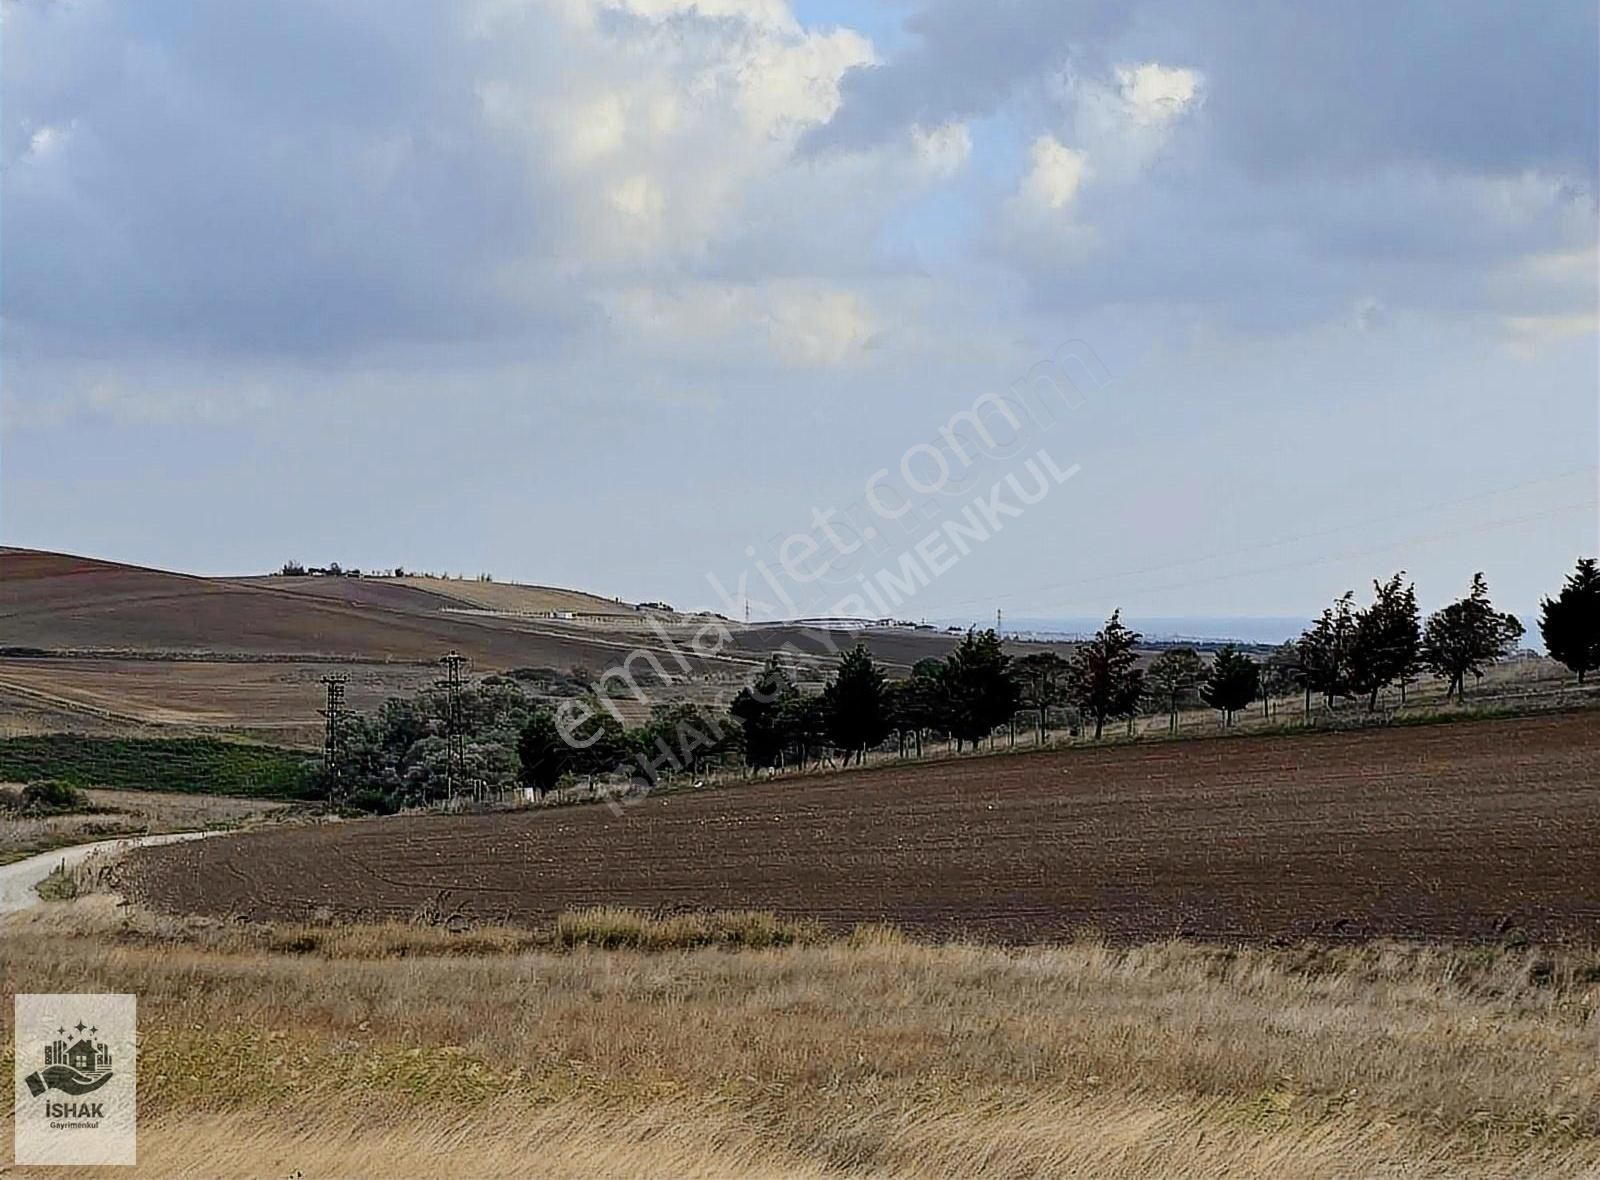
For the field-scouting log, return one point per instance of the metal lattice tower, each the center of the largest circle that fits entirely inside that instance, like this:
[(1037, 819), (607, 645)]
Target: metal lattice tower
[(455, 759), (333, 735)]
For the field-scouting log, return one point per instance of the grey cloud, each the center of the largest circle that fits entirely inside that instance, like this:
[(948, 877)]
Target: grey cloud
[(1478, 86), (967, 59), (288, 178)]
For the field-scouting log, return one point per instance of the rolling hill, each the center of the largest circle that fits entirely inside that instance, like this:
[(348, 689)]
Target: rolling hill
[(106, 646)]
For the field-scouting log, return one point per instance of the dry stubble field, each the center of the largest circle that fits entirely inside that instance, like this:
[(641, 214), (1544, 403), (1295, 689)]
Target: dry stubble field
[(403, 1051)]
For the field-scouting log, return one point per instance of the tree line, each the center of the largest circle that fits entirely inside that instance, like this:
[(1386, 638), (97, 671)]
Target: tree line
[(1351, 652)]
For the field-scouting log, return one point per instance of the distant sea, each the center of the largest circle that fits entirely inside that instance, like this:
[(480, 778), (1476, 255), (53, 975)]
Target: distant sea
[(1197, 628)]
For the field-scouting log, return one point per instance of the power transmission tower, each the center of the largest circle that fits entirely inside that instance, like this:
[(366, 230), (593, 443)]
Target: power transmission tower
[(333, 736), (455, 750)]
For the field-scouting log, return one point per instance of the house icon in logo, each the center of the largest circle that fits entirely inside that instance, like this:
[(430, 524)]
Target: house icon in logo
[(75, 1068)]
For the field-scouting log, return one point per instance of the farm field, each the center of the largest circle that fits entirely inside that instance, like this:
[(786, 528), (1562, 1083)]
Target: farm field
[(1481, 830), (269, 699), (96, 646)]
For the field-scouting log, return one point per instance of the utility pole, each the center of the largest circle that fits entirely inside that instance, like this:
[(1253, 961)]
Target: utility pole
[(455, 750), (333, 736)]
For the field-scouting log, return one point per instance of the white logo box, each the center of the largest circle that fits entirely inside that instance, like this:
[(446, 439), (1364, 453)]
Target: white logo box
[(76, 1086)]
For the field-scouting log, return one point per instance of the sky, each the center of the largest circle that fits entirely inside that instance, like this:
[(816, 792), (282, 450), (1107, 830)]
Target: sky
[(628, 294)]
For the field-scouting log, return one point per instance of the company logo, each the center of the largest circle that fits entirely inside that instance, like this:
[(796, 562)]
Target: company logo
[(76, 1079), (79, 1067)]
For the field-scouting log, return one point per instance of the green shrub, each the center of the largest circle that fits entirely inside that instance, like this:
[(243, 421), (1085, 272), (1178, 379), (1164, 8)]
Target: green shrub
[(372, 801), (52, 796)]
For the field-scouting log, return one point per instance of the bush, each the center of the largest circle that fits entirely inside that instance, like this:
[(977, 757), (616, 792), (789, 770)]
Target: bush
[(50, 795), (44, 797), (372, 801)]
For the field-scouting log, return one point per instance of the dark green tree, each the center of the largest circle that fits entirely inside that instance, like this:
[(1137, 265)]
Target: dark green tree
[(600, 743), (918, 705), (1042, 679), (679, 736), (979, 689), (1570, 622), (1325, 651), (1104, 680), (1467, 635), (759, 710), (1386, 644), (1232, 682), (542, 756), (1173, 678), (803, 720), (1281, 673), (854, 706)]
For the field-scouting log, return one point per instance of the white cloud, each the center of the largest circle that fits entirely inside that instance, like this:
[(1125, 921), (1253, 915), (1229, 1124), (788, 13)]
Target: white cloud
[(802, 323), (45, 140), (943, 150), (655, 131), (812, 326), (1056, 173), (1154, 93), (1529, 335)]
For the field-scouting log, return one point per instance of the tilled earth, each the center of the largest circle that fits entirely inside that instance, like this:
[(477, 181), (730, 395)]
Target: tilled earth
[(1475, 830)]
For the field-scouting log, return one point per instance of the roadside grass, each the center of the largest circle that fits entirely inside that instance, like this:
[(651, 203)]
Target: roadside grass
[(116, 813), (614, 927), (60, 885), (864, 1055)]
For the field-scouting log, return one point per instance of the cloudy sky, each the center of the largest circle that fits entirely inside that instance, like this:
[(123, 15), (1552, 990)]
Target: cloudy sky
[(617, 293)]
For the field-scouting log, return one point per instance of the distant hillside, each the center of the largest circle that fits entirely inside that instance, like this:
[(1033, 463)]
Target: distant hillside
[(58, 602), (515, 597), (103, 647)]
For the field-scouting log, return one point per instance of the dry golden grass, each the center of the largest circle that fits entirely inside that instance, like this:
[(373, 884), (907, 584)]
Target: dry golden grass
[(126, 813), (514, 596), (412, 1050)]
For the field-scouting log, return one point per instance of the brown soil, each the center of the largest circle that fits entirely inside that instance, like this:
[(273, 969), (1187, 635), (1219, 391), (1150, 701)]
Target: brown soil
[(1481, 830)]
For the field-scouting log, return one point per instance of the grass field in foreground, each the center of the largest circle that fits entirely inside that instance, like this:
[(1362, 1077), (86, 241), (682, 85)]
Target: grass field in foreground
[(409, 1050)]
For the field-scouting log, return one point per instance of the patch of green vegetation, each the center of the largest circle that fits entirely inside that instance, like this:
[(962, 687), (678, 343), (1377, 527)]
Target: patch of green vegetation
[(60, 885), (194, 766), (46, 797)]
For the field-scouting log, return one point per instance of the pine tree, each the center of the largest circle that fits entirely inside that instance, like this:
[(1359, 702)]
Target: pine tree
[(1042, 675), (854, 705), (1466, 635), (759, 711), (1325, 651), (1232, 683), (542, 754), (979, 688), (1570, 622), (1386, 641), (1104, 681), (1173, 677)]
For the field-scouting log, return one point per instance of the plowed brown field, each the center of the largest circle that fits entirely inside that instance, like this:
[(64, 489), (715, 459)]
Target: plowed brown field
[(1475, 830)]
